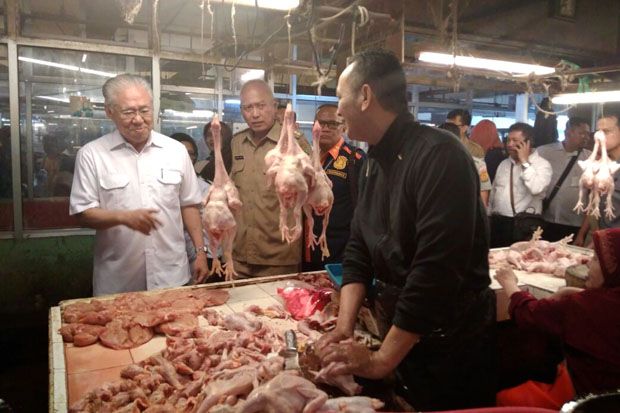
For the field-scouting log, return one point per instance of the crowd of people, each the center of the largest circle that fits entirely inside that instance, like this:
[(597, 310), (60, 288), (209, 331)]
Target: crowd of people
[(410, 223)]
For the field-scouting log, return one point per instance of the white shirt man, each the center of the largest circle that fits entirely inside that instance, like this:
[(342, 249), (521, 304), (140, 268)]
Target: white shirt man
[(138, 188), (560, 218), (531, 175)]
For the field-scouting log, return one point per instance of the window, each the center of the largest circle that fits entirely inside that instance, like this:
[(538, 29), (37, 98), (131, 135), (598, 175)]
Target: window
[(6, 176), (61, 109)]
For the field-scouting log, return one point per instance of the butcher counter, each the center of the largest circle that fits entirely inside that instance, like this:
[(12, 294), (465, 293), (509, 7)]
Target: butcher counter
[(73, 371)]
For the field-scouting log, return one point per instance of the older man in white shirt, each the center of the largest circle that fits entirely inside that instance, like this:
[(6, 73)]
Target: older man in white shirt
[(138, 189), (519, 185)]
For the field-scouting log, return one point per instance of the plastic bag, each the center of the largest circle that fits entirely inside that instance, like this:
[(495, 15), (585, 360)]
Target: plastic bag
[(303, 301)]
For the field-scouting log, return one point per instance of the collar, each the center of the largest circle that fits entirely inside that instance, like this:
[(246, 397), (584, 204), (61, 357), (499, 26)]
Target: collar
[(273, 134), (117, 140), (334, 151), (393, 140)]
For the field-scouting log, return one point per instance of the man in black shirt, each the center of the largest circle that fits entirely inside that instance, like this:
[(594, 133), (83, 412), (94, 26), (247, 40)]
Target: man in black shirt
[(420, 228)]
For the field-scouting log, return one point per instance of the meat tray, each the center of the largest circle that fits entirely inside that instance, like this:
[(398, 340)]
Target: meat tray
[(75, 370)]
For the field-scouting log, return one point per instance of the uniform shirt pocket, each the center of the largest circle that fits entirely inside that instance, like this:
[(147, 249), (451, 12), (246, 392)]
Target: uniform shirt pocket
[(114, 191), (236, 172), (167, 186)]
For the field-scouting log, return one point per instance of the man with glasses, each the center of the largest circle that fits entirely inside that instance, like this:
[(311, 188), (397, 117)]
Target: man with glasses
[(462, 119), (342, 163), (259, 250), (138, 189)]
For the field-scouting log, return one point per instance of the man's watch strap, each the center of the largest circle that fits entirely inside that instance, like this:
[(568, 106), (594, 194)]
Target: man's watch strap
[(202, 249)]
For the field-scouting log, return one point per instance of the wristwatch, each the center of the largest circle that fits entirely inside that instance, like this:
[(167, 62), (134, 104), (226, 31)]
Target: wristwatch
[(526, 165), (202, 249)]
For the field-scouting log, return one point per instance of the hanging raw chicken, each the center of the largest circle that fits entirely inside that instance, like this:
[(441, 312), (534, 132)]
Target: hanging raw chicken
[(289, 169), (221, 203), (597, 177), (320, 198)]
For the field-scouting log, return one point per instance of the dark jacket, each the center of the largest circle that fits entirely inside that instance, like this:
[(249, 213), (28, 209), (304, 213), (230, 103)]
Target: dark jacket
[(421, 229), (420, 225)]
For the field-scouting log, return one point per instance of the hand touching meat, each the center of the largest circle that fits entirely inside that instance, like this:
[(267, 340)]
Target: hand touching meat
[(221, 203), (289, 169)]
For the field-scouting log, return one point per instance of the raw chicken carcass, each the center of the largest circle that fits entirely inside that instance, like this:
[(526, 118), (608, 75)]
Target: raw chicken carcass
[(289, 169), (220, 205), (357, 404), (598, 178), (320, 198), (285, 393)]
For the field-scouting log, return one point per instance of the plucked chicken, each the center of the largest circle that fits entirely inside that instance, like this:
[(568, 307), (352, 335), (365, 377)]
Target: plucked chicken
[(597, 177), (220, 206), (290, 170), (320, 198)]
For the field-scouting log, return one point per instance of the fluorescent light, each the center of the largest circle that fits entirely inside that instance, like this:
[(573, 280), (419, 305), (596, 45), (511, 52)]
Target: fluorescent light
[(47, 63), (192, 114), (252, 74), (84, 57), (232, 101), (67, 67), (191, 127), (65, 100), (488, 64), (586, 97), (97, 72), (267, 4)]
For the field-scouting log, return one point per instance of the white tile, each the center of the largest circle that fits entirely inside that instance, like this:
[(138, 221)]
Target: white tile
[(60, 386), (60, 408), (261, 302), (58, 354), (244, 293)]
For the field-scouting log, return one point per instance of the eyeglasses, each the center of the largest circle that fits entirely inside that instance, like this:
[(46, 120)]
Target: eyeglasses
[(144, 112), (258, 106), (331, 124)]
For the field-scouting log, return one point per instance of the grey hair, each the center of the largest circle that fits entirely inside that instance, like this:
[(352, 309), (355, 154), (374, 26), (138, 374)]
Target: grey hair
[(112, 86), (258, 84)]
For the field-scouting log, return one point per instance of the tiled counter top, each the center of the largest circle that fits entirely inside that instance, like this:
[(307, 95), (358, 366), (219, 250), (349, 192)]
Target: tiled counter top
[(74, 371)]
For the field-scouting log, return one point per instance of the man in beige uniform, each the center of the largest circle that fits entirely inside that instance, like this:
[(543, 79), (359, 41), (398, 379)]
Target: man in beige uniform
[(259, 249)]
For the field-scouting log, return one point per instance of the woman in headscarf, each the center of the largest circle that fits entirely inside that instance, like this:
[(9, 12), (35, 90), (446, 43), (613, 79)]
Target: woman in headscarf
[(586, 321), (485, 134)]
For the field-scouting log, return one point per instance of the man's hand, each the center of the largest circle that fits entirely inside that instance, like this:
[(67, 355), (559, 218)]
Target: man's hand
[(333, 337), (201, 268), (353, 358), (143, 220), (506, 277), (523, 151)]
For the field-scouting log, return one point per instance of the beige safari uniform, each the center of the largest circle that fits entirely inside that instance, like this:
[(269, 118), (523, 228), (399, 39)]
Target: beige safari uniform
[(473, 148), (259, 240)]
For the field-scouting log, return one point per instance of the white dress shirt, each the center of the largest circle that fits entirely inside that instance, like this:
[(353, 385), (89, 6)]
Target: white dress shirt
[(110, 174), (560, 210), (529, 185)]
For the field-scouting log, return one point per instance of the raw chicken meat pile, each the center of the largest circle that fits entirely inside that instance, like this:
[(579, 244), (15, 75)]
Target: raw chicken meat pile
[(231, 363), (220, 206), (597, 178), (131, 319), (538, 255), (300, 182)]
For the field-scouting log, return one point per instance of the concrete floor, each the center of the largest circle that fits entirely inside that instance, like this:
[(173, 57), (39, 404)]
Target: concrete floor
[(24, 366)]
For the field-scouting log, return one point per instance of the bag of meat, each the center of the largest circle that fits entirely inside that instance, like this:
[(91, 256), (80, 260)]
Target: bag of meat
[(303, 301)]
